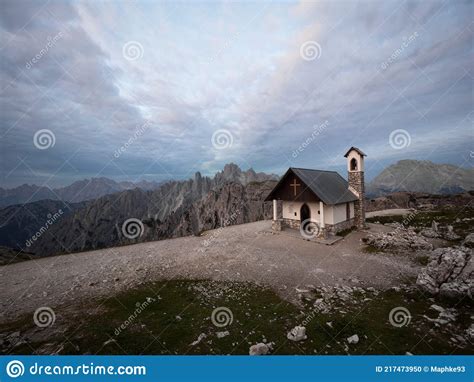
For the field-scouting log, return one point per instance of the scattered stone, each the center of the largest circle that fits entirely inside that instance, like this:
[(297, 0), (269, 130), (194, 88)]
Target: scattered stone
[(469, 241), (329, 324), (400, 239), (430, 233), (222, 334), (437, 308), (260, 349), (298, 333), (470, 332), (353, 339), (178, 318), (434, 226), (199, 339), (111, 341)]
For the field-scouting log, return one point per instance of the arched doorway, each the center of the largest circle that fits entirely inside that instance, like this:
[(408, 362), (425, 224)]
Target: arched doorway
[(305, 212)]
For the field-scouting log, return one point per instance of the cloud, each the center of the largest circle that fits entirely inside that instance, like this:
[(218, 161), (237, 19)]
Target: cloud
[(233, 66)]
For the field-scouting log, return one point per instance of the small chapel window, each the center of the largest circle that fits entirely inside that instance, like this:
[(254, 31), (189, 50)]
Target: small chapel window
[(353, 164)]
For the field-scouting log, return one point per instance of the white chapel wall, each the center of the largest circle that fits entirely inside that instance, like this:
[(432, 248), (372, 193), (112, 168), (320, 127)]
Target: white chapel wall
[(290, 208), (339, 213)]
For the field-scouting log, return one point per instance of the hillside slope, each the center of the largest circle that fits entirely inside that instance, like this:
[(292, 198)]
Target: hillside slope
[(422, 176)]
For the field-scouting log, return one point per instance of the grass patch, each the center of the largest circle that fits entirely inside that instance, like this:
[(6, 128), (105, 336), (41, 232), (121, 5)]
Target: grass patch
[(181, 311), (370, 249), (458, 217)]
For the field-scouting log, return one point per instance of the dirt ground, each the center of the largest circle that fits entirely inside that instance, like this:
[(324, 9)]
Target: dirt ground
[(248, 252)]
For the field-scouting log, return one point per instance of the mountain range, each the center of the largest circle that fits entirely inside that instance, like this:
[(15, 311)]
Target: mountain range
[(421, 176), (180, 208), (175, 208), (86, 189)]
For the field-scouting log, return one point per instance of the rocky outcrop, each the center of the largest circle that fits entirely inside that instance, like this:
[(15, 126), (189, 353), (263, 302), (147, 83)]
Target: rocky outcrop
[(449, 273), (400, 239), (418, 201)]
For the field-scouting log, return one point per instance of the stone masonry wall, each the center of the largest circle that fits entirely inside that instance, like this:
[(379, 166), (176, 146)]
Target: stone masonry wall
[(356, 181)]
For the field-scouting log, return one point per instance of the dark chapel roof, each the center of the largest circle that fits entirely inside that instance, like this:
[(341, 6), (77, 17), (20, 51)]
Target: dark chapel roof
[(328, 186)]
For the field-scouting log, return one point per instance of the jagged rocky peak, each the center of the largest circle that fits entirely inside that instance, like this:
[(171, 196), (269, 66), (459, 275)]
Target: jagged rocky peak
[(233, 173)]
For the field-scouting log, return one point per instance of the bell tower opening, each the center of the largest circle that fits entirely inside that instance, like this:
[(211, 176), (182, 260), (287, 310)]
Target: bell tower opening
[(353, 164)]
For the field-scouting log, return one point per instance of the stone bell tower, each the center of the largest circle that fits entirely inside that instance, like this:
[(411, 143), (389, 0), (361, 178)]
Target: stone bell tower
[(355, 172)]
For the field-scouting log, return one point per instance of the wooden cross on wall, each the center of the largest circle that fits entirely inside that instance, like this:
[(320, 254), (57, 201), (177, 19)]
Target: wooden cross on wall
[(294, 185)]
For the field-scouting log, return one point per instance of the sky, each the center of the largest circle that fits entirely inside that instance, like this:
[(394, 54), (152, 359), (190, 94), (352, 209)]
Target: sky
[(154, 90)]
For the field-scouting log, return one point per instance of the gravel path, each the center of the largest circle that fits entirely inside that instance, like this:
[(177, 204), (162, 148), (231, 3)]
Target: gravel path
[(248, 252)]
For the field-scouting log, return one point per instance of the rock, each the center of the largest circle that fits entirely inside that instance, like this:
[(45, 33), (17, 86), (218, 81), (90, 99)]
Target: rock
[(434, 226), (353, 339), (437, 308), (222, 334), (469, 241), (450, 273), (430, 233), (399, 239), (470, 332), (260, 349), (178, 318), (199, 339), (298, 333), (111, 341), (450, 235)]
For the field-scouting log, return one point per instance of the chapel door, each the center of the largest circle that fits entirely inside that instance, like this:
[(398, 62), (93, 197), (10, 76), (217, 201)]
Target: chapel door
[(305, 212)]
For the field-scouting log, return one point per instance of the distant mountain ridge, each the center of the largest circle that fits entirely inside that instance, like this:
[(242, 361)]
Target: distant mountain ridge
[(78, 191), (421, 176), (175, 208)]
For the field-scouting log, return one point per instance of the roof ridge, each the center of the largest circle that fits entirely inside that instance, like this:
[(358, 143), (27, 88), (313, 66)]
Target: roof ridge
[(313, 169)]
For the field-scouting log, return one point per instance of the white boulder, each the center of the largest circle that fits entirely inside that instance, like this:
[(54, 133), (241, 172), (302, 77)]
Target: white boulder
[(298, 333), (260, 349), (353, 339)]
